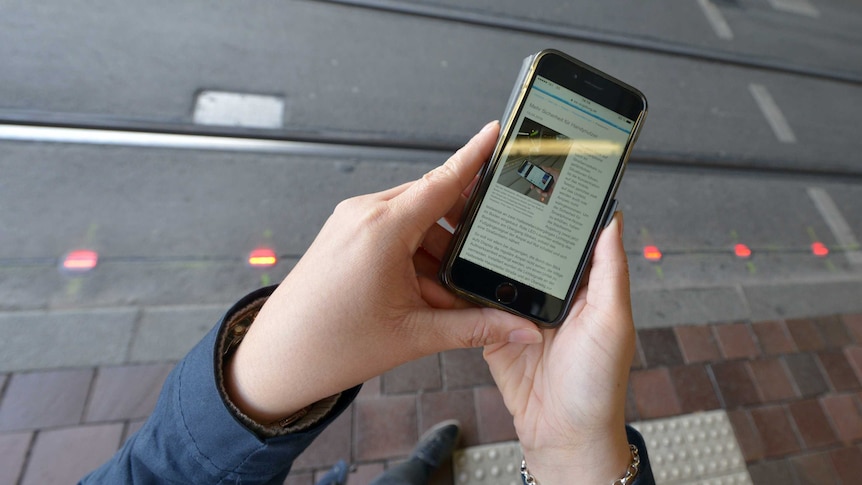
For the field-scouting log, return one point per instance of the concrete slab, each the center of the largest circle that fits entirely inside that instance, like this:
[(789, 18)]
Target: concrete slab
[(56, 339), (666, 307), (803, 300), (167, 333)]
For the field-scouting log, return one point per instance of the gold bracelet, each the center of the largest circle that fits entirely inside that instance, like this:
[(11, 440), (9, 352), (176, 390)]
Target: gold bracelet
[(631, 471)]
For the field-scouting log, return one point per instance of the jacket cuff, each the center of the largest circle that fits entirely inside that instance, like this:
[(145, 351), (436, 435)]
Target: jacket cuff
[(207, 423)]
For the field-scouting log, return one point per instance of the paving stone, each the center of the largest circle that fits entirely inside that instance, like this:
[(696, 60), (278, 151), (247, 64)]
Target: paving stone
[(166, 334), (838, 371), (853, 324), (806, 374), (848, 464), (746, 435), (814, 469), (735, 384), (854, 356), (775, 431), (365, 473), (631, 410), (440, 406), (773, 337), (694, 388), (300, 478), (772, 473), (418, 375), (45, 399), (464, 368), (133, 427), (655, 396), (697, 343), (371, 388), (736, 341), (812, 423), (385, 427), (126, 392), (57, 456), (493, 418), (772, 379), (63, 339), (844, 411), (806, 335), (13, 452), (660, 347), (638, 359), (833, 331), (332, 445)]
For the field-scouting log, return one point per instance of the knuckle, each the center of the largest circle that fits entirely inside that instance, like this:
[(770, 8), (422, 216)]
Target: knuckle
[(441, 173), (356, 210), (480, 336)]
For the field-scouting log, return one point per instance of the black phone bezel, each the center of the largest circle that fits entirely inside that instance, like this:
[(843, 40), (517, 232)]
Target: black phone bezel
[(480, 284)]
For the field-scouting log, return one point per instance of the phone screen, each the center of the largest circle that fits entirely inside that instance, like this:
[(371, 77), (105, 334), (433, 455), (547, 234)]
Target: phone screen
[(532, 232)]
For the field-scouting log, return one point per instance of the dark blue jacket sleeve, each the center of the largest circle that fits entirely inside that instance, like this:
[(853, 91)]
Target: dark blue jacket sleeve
[(645, 476), (193, 437)]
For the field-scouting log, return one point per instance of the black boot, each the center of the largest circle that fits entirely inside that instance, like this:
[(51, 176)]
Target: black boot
[(437, 444)]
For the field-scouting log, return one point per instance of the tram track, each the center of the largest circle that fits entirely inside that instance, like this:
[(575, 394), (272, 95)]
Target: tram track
[(352, 145), (601, 37)]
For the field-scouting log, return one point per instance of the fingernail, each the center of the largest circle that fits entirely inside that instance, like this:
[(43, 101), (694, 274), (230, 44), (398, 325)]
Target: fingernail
[(621, 222), (488, 126), (525, 336)]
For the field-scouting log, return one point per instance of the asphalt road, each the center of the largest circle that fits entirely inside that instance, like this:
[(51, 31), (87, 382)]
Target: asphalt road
[(429, 78), (175, 226)]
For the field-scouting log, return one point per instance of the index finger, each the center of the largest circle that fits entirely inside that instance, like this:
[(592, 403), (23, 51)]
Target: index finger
[(433, 196)]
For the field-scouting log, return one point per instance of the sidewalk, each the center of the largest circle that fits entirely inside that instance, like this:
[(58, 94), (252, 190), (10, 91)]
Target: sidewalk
[(791, 388)]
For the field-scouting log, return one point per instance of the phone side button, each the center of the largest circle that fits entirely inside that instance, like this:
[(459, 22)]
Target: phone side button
[(611, 212), (506, 293)]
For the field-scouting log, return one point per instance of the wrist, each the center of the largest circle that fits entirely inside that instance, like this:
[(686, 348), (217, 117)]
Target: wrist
[(600, 461)]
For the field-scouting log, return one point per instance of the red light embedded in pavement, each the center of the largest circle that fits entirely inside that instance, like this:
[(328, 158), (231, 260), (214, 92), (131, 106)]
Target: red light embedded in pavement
[(742, 251), (819, 249), (262, 258), (81, 260), (652, 253)]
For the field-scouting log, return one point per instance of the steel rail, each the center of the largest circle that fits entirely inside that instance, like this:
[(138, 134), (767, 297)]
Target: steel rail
[(92, 130)]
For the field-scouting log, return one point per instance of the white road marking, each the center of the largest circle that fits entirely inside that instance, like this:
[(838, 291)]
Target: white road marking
[(772, 113), (716, 19), (799, 7), (237, 109), (836, 222)]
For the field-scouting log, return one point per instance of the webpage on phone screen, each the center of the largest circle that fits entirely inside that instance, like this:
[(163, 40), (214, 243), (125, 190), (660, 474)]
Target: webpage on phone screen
[(537, 236)]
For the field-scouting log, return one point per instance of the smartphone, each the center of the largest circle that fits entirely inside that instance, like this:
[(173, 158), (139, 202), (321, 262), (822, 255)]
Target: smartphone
[(537, 177), (524, 253)]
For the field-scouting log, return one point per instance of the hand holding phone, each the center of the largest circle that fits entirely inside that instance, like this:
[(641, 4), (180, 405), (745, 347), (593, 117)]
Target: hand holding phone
[(568, 395), (524, 254)]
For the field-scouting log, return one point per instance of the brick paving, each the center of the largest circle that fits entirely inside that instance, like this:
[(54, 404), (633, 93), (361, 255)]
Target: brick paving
[(792, 389)]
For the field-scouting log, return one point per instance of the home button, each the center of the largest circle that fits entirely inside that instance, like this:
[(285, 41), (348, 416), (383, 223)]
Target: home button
[(506, 293)]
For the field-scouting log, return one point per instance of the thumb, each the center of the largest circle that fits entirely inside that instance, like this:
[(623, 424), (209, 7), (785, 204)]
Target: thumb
[(609, 275), (432, 196), (473, 327)]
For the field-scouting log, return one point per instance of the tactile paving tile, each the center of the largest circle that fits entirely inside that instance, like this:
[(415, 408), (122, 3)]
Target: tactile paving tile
[(690, 449), (497, 464), (694, 448)]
